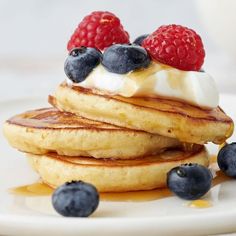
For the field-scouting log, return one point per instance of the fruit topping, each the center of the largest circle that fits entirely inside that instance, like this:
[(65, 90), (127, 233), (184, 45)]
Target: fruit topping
[(189, 181), (227, 159), (122, 58), (100, 29), (139, 40), (176, 46), (80, 62), (76, 198)]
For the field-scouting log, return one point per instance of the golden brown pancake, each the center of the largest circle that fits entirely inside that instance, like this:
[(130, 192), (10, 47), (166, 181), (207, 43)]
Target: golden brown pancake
[(165, 117), (49, 130), (115, 175)]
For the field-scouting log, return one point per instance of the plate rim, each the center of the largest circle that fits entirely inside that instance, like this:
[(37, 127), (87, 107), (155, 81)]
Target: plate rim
[(21, 221)]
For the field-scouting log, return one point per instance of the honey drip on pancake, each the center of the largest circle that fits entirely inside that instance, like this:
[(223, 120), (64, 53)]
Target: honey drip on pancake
[(222, 145)]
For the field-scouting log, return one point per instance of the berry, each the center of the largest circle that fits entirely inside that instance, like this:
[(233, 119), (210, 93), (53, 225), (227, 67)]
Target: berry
[(139, 40), (176, 46), (189, 181), (75, 198), (99, 30), (227, 159), (122, 58), (80, 62)]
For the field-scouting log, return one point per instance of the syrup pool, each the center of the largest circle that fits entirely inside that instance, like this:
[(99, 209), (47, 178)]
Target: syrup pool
[(42, 189), (200, 203)]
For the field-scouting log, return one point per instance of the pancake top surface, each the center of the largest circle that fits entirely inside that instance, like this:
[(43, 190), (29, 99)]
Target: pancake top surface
[(55, 119), (163, 104)]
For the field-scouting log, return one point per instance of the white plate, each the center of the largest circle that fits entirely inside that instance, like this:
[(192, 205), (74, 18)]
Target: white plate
[(35, 215)]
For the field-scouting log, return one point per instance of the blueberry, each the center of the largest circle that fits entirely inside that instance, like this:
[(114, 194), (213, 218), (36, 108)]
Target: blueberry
[(189, 181), (140, 39), (227, 159), (80, 62), (75, 198), (122, 58)]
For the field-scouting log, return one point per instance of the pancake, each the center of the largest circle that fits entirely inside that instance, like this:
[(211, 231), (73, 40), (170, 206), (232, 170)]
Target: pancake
[(114, 175), (49, 130), (165, 117)]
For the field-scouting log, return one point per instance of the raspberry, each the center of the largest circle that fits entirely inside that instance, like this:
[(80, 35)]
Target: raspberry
[(99, 30), (176, 46)]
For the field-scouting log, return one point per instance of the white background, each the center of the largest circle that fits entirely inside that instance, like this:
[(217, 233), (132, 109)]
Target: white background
[(34, 34)]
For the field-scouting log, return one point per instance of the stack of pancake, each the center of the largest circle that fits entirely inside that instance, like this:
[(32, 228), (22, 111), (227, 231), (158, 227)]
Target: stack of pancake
[(115, 143)]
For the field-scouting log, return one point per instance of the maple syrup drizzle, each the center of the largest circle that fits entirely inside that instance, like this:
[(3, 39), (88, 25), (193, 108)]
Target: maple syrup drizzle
[(42, 189)]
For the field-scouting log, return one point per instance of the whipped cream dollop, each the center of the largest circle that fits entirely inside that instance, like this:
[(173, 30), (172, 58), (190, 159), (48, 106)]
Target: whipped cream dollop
[(158, 80)]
